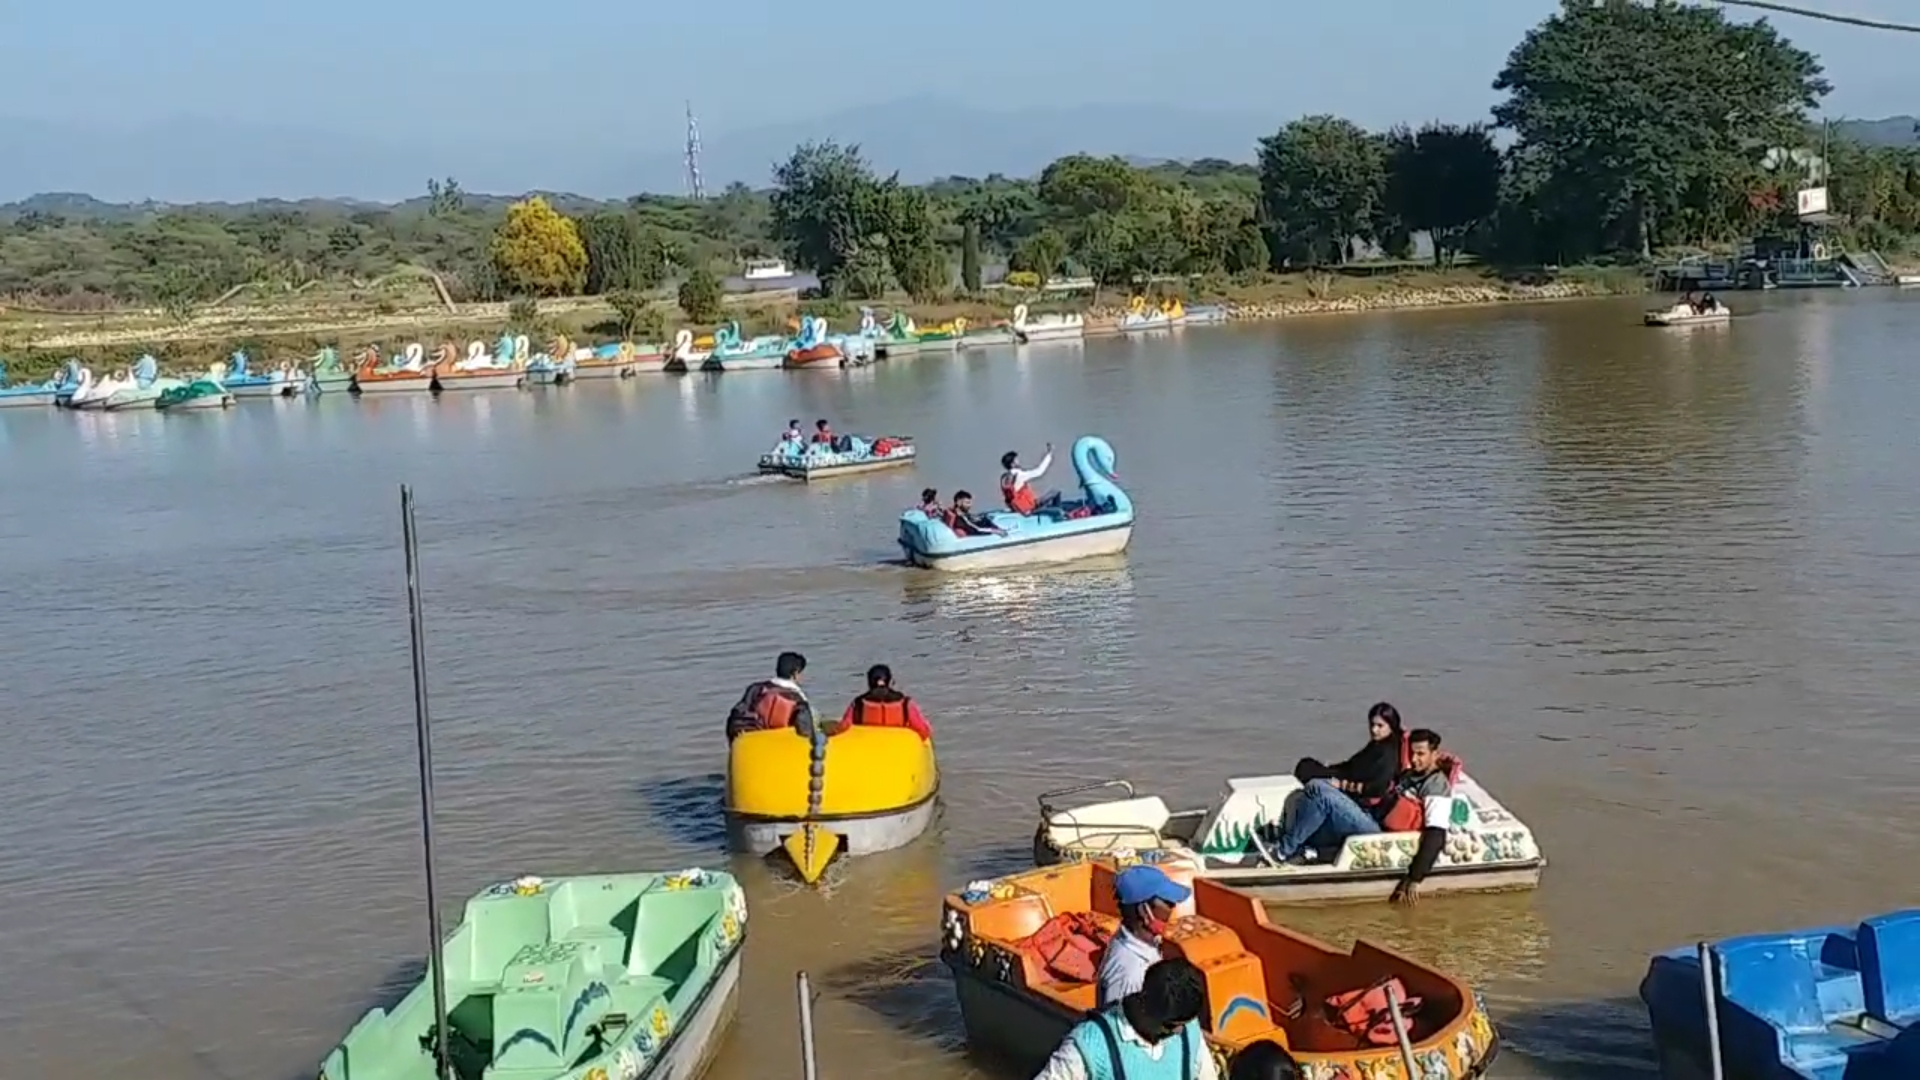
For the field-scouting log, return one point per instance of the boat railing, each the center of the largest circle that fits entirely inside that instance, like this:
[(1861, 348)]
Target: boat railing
[(1048, 799)]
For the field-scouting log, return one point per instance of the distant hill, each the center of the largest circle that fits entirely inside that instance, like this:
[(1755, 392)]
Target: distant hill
[(1892, 131)]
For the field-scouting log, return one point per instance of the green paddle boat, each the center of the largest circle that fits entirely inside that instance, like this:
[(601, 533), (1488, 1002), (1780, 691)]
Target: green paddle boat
[(609, 977)]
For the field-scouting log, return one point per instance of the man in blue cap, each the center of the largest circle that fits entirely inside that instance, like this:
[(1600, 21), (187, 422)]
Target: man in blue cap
[(1147, 897)]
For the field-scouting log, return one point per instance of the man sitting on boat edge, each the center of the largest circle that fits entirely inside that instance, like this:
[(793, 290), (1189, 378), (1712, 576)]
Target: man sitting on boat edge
[(1146, 897), (1152, 1034), (883, 706), (1420, 799), (774, 703)]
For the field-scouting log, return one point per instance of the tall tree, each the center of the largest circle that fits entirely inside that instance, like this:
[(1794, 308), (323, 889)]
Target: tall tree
[(970, 256), (1321, 180), (1620, 107), (538, 250), (1443, 179)]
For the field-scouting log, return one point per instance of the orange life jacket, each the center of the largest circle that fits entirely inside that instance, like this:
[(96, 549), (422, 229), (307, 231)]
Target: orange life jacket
[(1019, 497), (1070, 945), (1368, 1014), (870, 713), (823, 437), (775, 708)]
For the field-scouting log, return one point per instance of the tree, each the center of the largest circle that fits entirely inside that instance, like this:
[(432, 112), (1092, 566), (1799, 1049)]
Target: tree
[(538, 250), (1443, 179), (630, 309), (613, 243), (1321, 181), (970, 257), (1040, 254), (1619, 108), (701, 298), (444, 197), (825, 208)]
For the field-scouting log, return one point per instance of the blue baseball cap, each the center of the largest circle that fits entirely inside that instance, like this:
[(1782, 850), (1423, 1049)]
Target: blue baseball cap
[(1139, 884)]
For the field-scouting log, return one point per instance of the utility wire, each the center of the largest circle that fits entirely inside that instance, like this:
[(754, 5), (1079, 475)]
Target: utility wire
[(1825, 16)]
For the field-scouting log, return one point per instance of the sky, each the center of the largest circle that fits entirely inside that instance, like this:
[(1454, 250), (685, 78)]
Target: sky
[(527, 81)]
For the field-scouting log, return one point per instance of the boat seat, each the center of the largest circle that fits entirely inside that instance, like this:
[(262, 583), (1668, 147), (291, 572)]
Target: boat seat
[(1889, 953), (1237, 1006), (1803, 987)]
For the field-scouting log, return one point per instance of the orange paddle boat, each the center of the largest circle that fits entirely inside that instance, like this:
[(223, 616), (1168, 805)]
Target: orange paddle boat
[(1024, 951), (377, 375)]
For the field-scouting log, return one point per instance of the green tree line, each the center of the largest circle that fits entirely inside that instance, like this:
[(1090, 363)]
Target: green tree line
[(1625, 127)]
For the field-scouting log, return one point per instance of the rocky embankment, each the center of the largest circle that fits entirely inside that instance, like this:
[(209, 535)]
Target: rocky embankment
[(1397, 299)]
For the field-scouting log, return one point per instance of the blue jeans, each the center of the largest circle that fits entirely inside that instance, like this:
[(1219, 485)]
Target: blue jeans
[(1324, 817)]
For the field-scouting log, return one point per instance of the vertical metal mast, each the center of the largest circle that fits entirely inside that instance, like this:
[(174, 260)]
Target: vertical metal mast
[(695, 188), (435, 969)]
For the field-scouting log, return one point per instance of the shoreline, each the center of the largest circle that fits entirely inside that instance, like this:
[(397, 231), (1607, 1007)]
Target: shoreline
[(1403, 299)]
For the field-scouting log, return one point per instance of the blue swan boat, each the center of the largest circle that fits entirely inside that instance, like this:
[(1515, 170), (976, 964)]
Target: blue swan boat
[(20, 395), (1099, 523), (1832, 1003)]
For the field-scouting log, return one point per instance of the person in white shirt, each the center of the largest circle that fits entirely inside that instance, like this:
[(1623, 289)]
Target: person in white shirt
[(1153, 1034), (1016, 484), (1147, 897)]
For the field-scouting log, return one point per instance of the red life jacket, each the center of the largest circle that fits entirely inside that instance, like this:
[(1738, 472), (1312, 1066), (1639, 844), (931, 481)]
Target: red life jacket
[(870, 713), (775, 708), (823, 436), (1019, 498), (1368, 1014), (1069, 946)]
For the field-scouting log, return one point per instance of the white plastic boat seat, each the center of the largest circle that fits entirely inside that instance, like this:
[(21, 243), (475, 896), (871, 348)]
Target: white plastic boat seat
[(1126, 824)]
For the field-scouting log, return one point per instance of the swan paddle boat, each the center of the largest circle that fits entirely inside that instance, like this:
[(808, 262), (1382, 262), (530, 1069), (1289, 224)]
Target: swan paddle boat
[(876, 792), (1488, 849), (730, 353), (901, 337), (688, 354), (1028, 330), (815, 461), (20, 395), (408, 372), (1024, 950), (504, 369), (1831, 1003), (813, 347), (586, 978), (1687, 313), (205, 391), (554, 365), (325, 372), (1141, 316), (1099, 523), (90, 394), (281, 382), (618, 360), (145, 389)]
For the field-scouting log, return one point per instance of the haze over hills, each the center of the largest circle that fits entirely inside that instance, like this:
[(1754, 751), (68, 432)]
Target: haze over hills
[(127, 173)]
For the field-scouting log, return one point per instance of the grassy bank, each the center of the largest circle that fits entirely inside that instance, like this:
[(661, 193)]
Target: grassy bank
[(36, 343)]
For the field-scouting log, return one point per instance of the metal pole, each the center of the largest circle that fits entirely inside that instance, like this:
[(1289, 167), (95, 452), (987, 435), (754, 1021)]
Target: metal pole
[(435, 970), (809, 1062), (1710, 992), (1400, 1030)]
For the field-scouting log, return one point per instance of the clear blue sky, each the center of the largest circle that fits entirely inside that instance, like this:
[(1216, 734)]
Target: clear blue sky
[(616, 70)]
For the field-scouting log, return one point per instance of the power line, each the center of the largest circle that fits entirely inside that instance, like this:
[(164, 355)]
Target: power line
[(1824, 16)]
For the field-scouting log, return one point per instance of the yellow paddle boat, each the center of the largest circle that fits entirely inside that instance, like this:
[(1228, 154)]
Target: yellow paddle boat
[(875, 792)]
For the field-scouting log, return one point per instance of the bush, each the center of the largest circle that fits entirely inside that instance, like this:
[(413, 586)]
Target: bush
[(1023, 279), (523, 316), (701, 298)]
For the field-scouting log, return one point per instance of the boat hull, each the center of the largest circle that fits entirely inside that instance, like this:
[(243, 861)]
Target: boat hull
[(132, 402), (860, 834), (692, 1048), (409, 385), (486, 380), (331, 381), (274, 389), (1036, 551), (1330, 887), (206, 401), (29, 399), (1062, 332), (768, 362), (607, 369), (846, 468), (819, 357), (1661, 318)]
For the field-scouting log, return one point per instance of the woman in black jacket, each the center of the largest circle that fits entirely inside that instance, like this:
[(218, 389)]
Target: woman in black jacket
[(1370, 771)]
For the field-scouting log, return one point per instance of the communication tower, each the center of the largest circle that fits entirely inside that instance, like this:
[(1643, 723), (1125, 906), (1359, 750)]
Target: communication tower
[(694, 187)]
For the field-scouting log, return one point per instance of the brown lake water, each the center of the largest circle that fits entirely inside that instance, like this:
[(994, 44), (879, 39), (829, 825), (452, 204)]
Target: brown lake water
[(1658, 588)]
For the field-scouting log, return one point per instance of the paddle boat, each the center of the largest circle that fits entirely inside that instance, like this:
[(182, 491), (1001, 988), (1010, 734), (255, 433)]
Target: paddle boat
[(19, 395), (281, 382), (617, 360), (553, 366), (325, 372), (689, 355), (1832, 1003), (145, 389), (68, 383), (814, 348), (405, 373), (876, 792), (1488, 849), (730, 353), (901, 337), (634, 976), (91, 394), (1206, 315), (1023, 951), (1142, 317), (1687, 313), (504, 369), (205, 391), (1099, 523), (1028, 330), (816, 461)]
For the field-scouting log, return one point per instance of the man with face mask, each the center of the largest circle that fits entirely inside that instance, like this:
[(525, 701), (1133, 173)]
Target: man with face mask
[(1147, 897)]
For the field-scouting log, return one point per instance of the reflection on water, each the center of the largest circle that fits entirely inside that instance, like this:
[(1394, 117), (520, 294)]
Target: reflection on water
[(1654, 587)]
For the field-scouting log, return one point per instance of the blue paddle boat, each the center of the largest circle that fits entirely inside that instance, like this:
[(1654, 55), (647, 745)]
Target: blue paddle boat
[(1834, 1003), (1100, 522), (848, 455), (20, 395)]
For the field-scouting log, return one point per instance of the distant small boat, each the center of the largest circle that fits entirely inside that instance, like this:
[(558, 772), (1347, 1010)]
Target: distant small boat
[(19, 395), (1141, 317), (554, 366), (403, 373), (504, 369), (765, 270), (1907, 281), (1028, 330), (241, 382), (325, 372), (208, 391), (730, 353), (816, 462), (1686, 314), (145, 389)]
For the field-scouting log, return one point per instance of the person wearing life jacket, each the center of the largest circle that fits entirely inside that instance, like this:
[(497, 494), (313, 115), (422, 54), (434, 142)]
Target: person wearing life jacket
[(1420, 799), (1152, 1034), (1016, 484), (930, 504), (792, 439), (1146, 897), (883, 706), (774, 703), (822, 433), (962, 520)]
